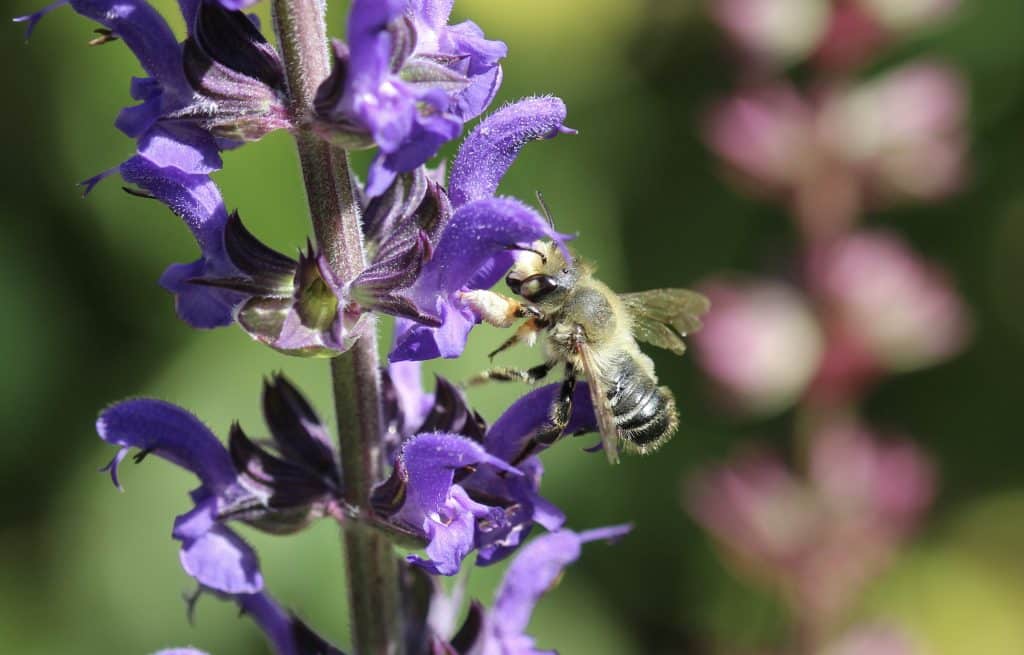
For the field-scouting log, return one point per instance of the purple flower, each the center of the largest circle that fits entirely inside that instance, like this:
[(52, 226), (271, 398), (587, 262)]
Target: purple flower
[(501, 630), (452, 487), (276, 491), (473, 250), (452, 483), (225, 83), (406, 82), (236, 5), (298, 307)]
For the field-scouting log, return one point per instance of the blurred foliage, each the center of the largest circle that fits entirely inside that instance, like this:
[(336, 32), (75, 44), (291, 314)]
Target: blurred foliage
[(86, 325)]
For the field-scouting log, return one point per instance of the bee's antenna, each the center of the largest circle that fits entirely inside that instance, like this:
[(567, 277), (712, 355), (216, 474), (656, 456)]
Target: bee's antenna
[(544, 207)]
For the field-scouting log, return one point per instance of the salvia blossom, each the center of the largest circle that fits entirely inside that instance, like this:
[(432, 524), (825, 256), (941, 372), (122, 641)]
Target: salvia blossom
[(474, 250), (223, 85), (452, 487), (425, 248), (452, 481), (832, 154), (405, 82), (293, 479), (819, 540), (277, 491)]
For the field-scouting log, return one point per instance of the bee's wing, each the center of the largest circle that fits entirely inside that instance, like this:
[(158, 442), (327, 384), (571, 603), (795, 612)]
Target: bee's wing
[(662, 317), (599, 399)]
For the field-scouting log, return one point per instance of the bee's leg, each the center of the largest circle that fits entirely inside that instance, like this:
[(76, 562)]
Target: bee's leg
[(527, 332), (561, 411), (496, 309), (528, 376)]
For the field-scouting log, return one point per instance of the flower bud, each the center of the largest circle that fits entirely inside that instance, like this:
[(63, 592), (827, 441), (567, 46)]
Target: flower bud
[(237, 74)]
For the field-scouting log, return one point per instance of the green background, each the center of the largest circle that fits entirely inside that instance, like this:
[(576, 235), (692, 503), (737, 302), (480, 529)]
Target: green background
[(86, 569)]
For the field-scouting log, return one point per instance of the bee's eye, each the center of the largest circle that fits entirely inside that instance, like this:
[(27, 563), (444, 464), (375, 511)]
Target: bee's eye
[(536, 287), (513, 283)]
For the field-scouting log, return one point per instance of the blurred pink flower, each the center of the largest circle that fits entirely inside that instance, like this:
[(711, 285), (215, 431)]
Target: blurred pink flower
[(819, 539), (776, 32), (873, 639), (907, 15), (905, 130), (853, 36), (887, 302), (897, 137), (761, 344), (835, 33)]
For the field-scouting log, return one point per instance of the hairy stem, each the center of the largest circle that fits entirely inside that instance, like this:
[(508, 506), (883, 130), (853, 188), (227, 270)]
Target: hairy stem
[(371, 562)]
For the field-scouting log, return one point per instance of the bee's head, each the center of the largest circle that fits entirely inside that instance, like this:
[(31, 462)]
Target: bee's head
[(541, 273)]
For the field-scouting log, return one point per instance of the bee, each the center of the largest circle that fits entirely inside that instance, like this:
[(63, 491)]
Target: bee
[(593, 331)]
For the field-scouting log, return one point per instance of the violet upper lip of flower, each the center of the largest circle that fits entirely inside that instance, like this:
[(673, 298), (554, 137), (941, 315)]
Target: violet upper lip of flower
[(472, 252), (405, 82)]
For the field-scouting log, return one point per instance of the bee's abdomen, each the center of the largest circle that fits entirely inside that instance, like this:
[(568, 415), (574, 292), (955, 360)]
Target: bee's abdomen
[(645, 413)]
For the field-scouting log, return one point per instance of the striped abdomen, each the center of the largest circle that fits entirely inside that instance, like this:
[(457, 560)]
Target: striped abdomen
[(645, 413)]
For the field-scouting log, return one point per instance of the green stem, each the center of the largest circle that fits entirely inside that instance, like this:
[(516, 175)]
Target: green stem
[(372, 566)]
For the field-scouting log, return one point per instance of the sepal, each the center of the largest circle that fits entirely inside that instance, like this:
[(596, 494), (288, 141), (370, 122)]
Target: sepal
[(294, 475), (237, 75), (315, 320), (403, 227)]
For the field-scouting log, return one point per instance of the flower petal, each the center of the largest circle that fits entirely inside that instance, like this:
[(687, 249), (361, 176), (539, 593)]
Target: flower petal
[(510, 433), (168, 431), (471, 253), (452, 535), (430, 461), (196, 200), (214, 554), (183, 146), (423, 342), (493, 145), (534, 570)]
